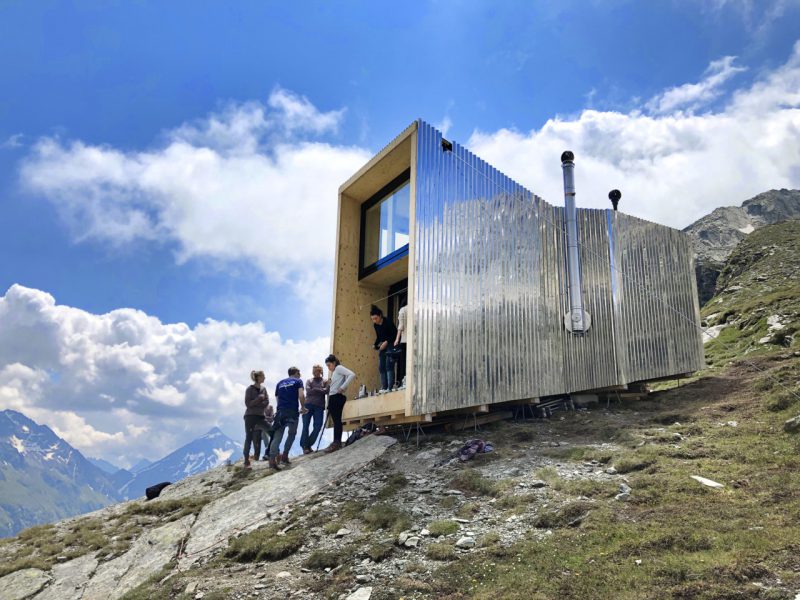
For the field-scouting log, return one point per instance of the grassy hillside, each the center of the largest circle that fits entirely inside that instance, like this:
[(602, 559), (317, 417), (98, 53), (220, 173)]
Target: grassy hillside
[(757, 305)]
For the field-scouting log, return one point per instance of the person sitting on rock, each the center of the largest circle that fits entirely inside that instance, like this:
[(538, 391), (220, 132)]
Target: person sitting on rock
[(256, 401)]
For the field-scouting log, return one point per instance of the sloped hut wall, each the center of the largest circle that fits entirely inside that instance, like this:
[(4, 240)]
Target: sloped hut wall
[(490, 291)]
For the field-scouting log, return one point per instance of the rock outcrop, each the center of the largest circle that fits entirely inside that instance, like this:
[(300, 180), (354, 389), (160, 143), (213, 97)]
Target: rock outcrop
[(716, 235)]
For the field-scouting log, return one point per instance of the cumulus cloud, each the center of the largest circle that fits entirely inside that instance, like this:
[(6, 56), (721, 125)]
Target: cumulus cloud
[(123, 384), (672, 167), (245, 183), (691, 96)]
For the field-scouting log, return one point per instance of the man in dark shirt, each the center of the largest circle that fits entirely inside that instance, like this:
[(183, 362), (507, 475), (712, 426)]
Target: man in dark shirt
[(290, 396), (385, 332)]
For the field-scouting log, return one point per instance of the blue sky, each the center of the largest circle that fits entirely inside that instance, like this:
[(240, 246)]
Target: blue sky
[(138, 86)]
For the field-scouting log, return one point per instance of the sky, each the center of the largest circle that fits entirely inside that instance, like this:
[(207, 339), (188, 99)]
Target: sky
[(169, 171)]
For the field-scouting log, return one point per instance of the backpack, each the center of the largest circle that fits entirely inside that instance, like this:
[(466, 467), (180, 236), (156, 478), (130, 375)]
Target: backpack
[(154, 491)]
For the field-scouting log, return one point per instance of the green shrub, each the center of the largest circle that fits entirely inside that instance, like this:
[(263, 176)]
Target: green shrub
[(386, 516), (440, 528), (440, 551), (570, 514), (471, 481), (265, 544), (323, 559), (380, 550)]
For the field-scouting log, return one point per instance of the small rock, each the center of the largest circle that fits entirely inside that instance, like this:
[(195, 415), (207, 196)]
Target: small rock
[(61, 558), (425, 532), (538, 483), (403, 537), (623, 497), (624, 488), (191, 588), (732, 424), (412, 542), (199, 595), (465, 542), (638, 561), (461, 520), (792, 425), (362, 578), (454, 493), (364, 593), (707, 482), (343, 532), (283, 575), (259, 586)]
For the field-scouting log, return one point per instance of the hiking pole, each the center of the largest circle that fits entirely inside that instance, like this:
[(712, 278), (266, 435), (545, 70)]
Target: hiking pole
[(324, 425)]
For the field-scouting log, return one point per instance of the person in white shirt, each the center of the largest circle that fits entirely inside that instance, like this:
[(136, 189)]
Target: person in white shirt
[(340, 378), (400, 341)]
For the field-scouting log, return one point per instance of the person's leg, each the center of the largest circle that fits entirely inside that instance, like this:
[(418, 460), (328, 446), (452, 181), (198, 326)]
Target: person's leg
[(291, 426), (401, 365), (318, 413), (382, 368), (277, 435), (335, 408), (249, 423), (390, 364), (257, 441), (305, 443)]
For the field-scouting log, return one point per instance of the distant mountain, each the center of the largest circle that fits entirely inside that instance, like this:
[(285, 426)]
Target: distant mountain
[(142, 464), (43, 478), (103, 465), (195, 457), (716, 235)]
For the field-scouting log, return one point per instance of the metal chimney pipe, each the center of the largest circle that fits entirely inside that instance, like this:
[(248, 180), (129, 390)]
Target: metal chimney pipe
[(576, 320)]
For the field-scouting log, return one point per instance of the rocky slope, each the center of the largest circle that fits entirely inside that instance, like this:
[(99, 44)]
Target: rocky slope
[(757, 305), (43, 478), (717, 234)]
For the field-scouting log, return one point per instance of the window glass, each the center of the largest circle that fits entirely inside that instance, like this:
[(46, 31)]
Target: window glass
[(386, 225)]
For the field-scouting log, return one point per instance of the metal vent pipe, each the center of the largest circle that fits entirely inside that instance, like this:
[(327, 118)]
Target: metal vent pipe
[(576, 320)]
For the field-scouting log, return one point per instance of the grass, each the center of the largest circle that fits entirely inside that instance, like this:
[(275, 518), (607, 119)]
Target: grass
[(324, 559), (393, 485), (468, 510), (332, 527), (691, 541), (386, 516), (439, 551), (473, 482), (265, 544), (380, 550), (441, 528)]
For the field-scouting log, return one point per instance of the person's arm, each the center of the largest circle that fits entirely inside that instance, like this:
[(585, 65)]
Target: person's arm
[(301, 396), (251, 398), (308, 386), (349, 376), (401, 325), (377, 335)]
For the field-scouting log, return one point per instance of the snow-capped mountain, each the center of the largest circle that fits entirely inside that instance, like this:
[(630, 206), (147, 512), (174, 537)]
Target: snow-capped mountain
[(103, 465), (195, 457), (43, 478)]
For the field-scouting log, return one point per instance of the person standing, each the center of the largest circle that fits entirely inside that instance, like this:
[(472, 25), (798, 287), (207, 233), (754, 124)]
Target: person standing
[(289, 396), (316, 391), (400, 342), (340, 378), (385, 333), (256, 401)]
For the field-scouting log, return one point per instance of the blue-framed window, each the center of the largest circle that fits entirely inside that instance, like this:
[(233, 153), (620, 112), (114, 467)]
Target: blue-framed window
[(385, 220)]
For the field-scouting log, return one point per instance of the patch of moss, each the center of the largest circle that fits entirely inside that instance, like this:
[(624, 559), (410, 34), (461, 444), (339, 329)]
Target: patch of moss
[(323, 559), (380, 550), (437, 551), (393, 485), (265, 544), (473, 482), (386, 516), (440, 528), (571, 514)]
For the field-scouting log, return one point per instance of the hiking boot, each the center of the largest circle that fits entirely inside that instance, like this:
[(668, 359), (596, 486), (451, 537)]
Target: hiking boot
[(285, 458), (333, 447), (247, 463), (307, 451), (273, 463)]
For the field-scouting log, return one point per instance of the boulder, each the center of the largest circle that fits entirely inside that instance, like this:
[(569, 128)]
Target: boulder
[(70, 579), (22, 584), (792, 425)]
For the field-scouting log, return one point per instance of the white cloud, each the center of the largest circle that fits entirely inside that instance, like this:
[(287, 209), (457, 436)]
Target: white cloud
[(691, 96), (672, 168), (123, 384), (241, 184)]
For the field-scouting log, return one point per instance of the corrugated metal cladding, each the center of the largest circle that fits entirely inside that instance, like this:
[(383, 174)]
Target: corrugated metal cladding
[(490, 291)]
